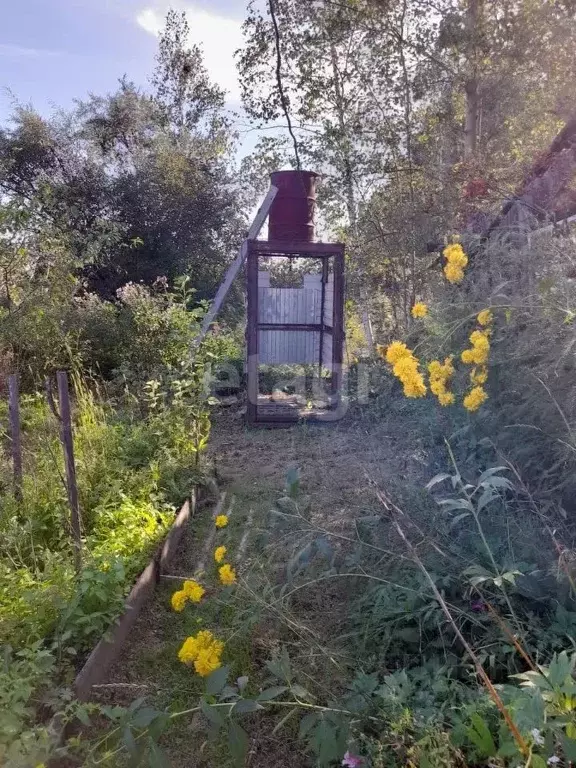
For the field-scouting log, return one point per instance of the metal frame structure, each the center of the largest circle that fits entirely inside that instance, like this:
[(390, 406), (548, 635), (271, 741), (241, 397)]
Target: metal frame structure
[(277, 248)]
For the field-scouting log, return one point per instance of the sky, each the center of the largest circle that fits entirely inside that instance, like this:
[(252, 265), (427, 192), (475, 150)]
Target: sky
[(55, 51)]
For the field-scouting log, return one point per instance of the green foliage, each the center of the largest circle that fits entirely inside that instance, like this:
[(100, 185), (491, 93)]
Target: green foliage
[(22, 675)]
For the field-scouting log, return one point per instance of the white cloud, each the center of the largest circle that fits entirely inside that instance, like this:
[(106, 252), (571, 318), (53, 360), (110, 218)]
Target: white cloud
[(219, 37)]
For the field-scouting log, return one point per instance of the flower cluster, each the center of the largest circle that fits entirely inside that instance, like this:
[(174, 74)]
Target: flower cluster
[(221, 521), (219, 554), (439, 375), (404, 367), (227, 574), (477, 355), (456, 260), (419, 310), (474, 399), (190, 592), (202, 650)]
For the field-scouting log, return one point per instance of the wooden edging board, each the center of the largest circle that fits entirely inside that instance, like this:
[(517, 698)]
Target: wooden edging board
[(108, 649)]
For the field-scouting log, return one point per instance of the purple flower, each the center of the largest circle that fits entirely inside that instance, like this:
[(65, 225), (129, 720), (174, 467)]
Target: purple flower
[(478, 606), (352, 761)]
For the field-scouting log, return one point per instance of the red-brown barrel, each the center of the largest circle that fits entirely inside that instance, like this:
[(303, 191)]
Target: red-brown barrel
[(292, 212)]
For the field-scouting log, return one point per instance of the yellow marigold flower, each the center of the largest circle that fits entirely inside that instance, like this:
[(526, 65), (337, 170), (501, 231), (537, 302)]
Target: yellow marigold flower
[(202, 648), (479, 375), (395, 351), (219, 553), (189, 650), (227, 574), (206, 662), (453, 273), (474, 399), (178, 600), (480, 339), (405, 368), (455, 256), (419, 310), (467, 356), (415, 387), (221, 521), (193, 591), (446, 398), (485, 317)]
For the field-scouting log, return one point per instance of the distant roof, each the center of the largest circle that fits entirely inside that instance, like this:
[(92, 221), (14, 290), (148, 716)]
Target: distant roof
[(548, 192)]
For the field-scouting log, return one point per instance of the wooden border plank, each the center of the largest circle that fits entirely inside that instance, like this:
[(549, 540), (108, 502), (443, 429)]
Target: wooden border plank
[(107, 651)]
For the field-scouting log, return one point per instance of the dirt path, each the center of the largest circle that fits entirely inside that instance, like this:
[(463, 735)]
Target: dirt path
[(338, 463)]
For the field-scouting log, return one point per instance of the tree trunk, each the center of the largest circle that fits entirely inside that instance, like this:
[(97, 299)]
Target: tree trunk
[(472, 22), (348, 177)]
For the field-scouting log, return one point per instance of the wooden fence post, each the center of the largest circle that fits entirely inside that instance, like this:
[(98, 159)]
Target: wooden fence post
[(15, 434), (68, 446)]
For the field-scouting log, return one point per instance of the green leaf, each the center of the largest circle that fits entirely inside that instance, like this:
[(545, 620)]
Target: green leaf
[(244, 706), (560, 668), (301, 692), (537, 761), (157, 758), (569, 748), (479, 734), (307, 723), (129, 741), (242, 682), (462, 516), (212, 714), (272, 693), (451, 504), (489, 472), (238, 743), (144, 717), (439, 478), (217, 680)]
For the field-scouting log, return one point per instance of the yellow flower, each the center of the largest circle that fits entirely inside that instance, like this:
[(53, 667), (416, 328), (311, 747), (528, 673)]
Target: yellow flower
[(395, 351), (189, 650), (178, 600), (439, 375), (467, 356), (446, 398), (219, 553), (415, 388), (227, 574), (453, 273), (221, 521), (193, 591), (485, 317), (479, 375), (480, 339), (455, 256), (202, 650), (474, 399), (419, 310), (206, 662)]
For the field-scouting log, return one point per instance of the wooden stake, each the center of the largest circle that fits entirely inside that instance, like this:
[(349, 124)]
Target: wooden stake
[(68, 446), (15, 434)]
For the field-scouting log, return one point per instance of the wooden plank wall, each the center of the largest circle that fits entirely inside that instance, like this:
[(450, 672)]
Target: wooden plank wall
[(293, 305)]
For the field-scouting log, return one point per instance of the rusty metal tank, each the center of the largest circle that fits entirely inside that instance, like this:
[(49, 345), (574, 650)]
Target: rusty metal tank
[(291, 216)]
